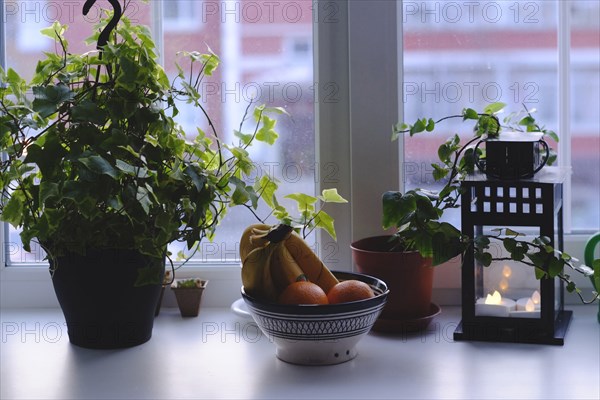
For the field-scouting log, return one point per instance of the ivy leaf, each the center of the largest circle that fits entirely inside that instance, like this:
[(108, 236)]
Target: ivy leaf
[(482, 242), (396, 207), (128, 169), (469, 113), (493, 108), (240, 194), (48, 98), (55, 31), (555, 267), (510, 232), (266, 188), (418, 127), (325, 221), (305, 202), (245, 138), (13, 210), (88, 111), (484, 258), (510, 244), (99, 165), (552, 135), (47, 190), (527, 121), (267, 132), (539, 273), (143, 198), (439, 172), (331, 196), (430, 125), (197, 180)]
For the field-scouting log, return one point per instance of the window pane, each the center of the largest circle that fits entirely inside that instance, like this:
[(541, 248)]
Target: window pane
[(469, 54), (585, 122), (266, 57)]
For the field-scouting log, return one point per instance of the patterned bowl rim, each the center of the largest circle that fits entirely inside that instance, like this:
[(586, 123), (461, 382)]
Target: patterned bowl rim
[(317, 310)]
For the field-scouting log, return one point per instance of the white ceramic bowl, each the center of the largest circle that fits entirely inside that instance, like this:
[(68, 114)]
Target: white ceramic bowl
[(319, 334)]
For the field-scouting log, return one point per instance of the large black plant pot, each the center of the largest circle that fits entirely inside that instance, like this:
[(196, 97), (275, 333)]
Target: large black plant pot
[(104, 305)]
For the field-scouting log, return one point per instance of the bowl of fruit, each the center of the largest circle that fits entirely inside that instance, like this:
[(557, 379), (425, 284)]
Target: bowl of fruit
[(314, 316)]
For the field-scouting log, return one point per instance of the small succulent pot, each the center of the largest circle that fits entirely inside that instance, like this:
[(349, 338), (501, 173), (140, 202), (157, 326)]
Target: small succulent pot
[(188, 293)]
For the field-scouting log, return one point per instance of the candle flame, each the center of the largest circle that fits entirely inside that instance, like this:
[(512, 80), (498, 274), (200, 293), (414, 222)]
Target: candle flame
[(535, 297), (529, 306), (503, 285), (495, 298), (506, 271)]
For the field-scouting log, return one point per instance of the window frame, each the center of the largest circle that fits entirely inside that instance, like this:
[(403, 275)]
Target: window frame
[(344, 131)]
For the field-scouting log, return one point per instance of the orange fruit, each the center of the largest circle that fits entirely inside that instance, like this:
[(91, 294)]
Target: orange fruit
[(303, 292), (350, 290)]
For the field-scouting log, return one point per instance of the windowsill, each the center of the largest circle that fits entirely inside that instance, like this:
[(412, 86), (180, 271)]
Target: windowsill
[(30, 286), (222, 355)]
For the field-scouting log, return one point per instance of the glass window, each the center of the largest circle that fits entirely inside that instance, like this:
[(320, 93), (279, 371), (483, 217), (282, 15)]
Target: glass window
[(266, 57), (585, 123), (469, 54)]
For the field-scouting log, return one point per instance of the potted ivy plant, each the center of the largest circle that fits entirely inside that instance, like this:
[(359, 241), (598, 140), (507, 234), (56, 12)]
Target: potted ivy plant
[(405, 259), (98, 171)]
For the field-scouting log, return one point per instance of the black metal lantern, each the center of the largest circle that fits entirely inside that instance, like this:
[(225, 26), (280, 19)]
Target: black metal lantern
[(496, 306)]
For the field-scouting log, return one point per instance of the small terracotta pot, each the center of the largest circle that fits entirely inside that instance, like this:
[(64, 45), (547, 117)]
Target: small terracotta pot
[(408, 276), (188, 300)]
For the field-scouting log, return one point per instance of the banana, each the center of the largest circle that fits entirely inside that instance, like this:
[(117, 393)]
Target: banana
[(284, 269), (311, 264), (253, 237), (274, 257), (256, 274)]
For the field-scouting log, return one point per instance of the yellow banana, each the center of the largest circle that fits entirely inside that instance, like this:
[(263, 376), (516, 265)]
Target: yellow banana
[(274, 257), (252, 238), (284, 268), (256, 274), (313, 267)]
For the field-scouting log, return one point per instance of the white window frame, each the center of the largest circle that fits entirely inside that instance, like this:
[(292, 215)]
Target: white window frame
[(352, 134)]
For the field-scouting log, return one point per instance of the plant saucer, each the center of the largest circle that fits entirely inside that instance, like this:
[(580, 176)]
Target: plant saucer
[(407, 325)]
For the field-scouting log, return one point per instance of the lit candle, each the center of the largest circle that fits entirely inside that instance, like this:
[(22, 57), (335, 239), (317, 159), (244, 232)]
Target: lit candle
[(494, 306), (529, 310), (535, 301), (536, 298)]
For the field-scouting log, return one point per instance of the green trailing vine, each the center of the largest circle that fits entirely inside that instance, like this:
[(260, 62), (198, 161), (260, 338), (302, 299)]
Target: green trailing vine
[(415, 214)]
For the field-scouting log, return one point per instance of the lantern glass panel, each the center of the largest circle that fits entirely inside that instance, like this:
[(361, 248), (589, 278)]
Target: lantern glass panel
[(507, 288)]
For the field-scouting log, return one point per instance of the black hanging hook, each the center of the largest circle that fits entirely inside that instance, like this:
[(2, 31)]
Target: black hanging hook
[(105, 34)]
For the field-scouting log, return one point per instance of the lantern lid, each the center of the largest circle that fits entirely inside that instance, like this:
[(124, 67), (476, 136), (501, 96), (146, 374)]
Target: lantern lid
[(516, 136)]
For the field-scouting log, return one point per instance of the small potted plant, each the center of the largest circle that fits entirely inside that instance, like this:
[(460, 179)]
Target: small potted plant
[(421, 240), (188, 293)]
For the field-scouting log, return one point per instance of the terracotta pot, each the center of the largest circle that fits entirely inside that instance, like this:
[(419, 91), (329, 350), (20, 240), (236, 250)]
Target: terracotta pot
[(188, 299), (409, 278)]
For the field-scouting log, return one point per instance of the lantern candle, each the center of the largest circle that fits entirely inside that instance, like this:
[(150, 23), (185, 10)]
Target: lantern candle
[(528, 311), (536, 298), (494, 306)]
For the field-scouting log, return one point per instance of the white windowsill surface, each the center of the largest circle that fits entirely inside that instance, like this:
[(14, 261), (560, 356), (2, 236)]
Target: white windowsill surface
[(222, 355)]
